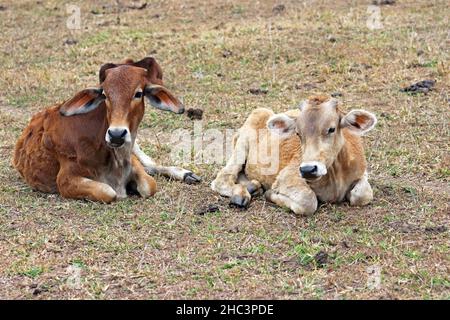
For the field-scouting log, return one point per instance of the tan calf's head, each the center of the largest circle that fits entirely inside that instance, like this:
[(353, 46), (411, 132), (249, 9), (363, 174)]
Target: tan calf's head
[(319, 127), (123, 88)]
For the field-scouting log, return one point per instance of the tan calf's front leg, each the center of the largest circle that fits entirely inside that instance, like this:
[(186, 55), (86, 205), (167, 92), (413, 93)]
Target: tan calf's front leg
[(243, 191), (291, 191), (77, 187), (145, 184), (361, 194), (231, 181)]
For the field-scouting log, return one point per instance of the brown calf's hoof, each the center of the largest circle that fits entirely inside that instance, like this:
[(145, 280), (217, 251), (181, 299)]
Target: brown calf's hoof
[(191, 178), (131, 188), (151, 171)]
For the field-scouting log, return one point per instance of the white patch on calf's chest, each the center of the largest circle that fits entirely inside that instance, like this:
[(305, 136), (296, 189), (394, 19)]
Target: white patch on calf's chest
[(117, 172)]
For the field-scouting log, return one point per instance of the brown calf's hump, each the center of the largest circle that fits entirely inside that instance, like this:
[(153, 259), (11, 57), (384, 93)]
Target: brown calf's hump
[(36, 163), (50, 134)]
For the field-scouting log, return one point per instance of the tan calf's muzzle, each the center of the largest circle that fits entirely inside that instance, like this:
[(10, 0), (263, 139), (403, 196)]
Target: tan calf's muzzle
[(312, 170), (308, 171)]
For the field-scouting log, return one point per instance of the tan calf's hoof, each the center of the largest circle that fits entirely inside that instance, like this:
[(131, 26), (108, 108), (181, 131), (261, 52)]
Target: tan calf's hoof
[(240, 201), (268, 194), (254, 188), (240, 196)]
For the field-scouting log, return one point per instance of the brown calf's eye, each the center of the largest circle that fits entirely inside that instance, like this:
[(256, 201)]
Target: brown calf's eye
[(138, 95), (331, 130)]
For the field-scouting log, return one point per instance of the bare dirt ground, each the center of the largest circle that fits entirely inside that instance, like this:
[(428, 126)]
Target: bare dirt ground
[(212, 54)]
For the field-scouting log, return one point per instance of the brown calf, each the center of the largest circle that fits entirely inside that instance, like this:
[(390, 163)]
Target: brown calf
[(83, 148), (314, 153)]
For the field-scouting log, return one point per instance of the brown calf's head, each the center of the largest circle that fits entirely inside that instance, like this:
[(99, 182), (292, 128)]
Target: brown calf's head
[(123, 88), (319, 127)]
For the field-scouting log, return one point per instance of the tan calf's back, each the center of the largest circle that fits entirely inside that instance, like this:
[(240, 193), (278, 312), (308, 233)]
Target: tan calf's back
[(264, 164)]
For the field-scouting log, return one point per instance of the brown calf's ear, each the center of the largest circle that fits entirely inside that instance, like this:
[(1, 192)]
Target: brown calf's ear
[(154, 71), (359, 121), (161, 98), (281, 125), (83, 102), (127, 61), (102, 72)]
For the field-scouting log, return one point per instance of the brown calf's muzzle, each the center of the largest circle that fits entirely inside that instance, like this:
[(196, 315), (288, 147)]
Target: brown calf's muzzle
[(155, 93), (116, 137), (123, 87)]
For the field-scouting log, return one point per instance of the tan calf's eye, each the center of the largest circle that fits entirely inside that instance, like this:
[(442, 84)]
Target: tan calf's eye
[(331, 130)]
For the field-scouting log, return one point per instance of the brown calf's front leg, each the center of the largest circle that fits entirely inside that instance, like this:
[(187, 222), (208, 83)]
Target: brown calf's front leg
[(77, 187), (291, 191), (171, 172), (145, 184)]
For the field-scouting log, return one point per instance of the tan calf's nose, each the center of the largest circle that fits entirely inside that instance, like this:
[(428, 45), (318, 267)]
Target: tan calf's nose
[(308, 171)]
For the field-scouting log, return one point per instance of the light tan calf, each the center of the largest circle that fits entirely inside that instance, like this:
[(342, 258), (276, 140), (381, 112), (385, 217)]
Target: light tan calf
[(299, 157)]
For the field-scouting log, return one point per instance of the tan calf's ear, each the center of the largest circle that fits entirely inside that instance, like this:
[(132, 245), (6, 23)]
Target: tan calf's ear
[(83, 102), (281, 125), (359, 121), (161, 98)]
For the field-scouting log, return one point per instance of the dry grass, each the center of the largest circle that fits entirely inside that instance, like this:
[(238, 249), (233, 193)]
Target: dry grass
[(160, 248)]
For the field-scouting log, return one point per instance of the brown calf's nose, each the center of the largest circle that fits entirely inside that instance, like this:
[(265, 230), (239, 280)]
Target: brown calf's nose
[(117, 136)]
